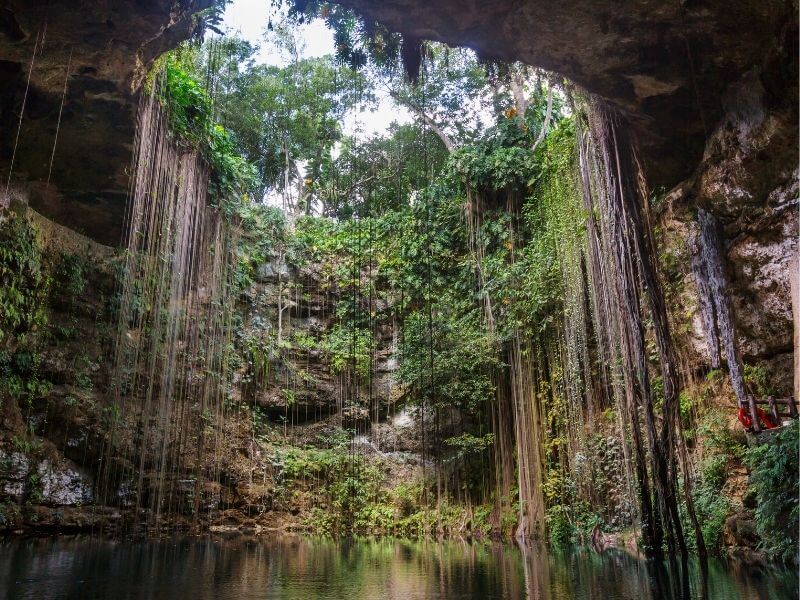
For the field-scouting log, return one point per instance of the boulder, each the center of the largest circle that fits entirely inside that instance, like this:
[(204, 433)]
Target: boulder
[(740, 530)]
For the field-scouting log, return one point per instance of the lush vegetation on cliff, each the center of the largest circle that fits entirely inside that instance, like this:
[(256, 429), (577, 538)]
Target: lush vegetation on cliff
[(485, 253)]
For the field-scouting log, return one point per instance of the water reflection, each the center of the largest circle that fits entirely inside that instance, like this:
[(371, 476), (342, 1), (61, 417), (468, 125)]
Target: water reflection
[(303, 568)]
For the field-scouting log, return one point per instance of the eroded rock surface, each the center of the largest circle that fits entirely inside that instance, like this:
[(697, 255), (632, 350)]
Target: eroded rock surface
[(107, 47), (748, 180), (64, 484)]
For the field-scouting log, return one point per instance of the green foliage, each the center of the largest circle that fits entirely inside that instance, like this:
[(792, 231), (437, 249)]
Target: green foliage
[(372, 177), (270, 118), (718, 439), (720, 448), (258, 347), (598, 470), (350, 348), (453, 367), (264, 235), (775, 482), (191, 116), (24, 281), (685, 402), (357, 41), (494, 165), (466, 444), (70, 276), (568, 517), (111, 417), (349, 494), (757, 378), (346, 488), (559, 526), (25, 444), (10, 513), (304, 340), (24, 289), (712, 507), (466, 251)]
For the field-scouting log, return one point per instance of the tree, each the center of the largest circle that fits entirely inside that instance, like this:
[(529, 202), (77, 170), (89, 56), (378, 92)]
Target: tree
[(285, 119), (450, 97)]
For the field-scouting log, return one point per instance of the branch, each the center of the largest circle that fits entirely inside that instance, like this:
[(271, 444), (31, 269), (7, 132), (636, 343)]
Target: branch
[(435, 127), (548, 114), (358, 184), (516, 84)]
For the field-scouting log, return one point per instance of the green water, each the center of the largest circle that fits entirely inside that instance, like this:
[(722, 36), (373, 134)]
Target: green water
[(304, 568)]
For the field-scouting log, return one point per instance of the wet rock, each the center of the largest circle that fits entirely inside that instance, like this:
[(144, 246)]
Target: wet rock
[(65, 518), (740, 530), (398, 435), (14, 471), (256, 495), (64, 484), (127, 494), (229, 520), (353, 415), (272, 271), (210, 496)]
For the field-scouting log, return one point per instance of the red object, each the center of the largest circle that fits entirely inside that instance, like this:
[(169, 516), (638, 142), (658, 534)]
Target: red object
[(746, 420)]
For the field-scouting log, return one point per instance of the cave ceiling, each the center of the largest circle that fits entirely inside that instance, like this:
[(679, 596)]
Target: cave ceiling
[(665, 65)]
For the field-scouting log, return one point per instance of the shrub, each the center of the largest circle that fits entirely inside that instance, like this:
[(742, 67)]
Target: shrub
[(711, 505), (349, 346), (23, 280), (559, 527), (774, 483), (71, 276), (721, 446)]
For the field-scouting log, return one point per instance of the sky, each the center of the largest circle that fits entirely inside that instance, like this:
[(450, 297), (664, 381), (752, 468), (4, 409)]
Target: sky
[(249, 18)]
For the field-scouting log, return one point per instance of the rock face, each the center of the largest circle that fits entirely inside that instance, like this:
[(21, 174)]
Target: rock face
[(14, 470), (64, 484), (740, 537), (52, 443), (761, 292), (107, 47), (748, 180), (301, 385), (52, 483)]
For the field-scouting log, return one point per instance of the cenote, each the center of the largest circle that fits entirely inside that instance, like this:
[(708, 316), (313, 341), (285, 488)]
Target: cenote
[(399, 299), (299, 568)]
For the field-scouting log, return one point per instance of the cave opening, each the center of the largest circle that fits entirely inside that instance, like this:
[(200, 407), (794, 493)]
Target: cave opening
[(406, 272)]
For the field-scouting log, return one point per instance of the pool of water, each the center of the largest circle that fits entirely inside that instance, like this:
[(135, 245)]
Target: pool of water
[(307, 568)]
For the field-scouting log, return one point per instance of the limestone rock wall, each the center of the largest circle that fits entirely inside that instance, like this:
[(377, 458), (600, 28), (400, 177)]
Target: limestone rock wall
[(748, 179), (54, 426), (107, 46), (301, 385)]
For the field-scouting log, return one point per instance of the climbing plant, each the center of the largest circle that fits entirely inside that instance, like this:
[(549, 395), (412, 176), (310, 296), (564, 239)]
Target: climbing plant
[(24, 280)]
